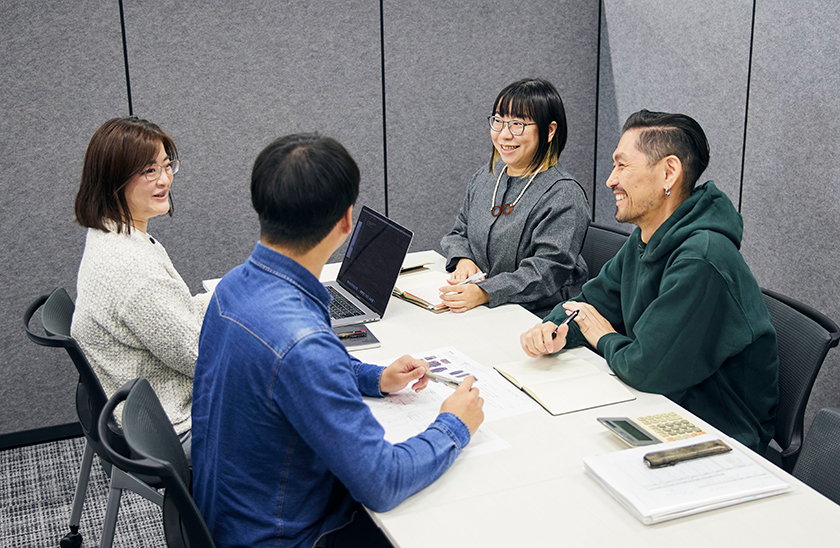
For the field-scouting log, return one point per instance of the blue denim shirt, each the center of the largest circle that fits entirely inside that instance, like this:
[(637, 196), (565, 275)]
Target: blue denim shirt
[(282, 441)]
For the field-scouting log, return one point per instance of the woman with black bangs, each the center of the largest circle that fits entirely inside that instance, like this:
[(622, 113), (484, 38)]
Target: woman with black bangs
[(135, 316), (523, 218)]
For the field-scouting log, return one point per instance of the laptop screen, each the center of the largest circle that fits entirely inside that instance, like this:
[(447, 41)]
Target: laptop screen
[(373, 259)]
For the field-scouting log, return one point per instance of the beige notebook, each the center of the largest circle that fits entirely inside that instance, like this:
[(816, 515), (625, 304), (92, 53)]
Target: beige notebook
[(563, 383), (421, 288)]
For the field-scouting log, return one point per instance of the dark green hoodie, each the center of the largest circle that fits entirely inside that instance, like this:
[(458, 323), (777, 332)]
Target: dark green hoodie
[(690, 318)]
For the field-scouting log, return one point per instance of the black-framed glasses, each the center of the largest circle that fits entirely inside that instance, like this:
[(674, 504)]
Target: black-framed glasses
[(154, 171), (495, 211), (516, 127)]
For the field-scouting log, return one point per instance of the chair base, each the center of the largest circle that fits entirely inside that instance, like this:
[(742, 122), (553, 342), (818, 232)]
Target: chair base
[(71, 540)]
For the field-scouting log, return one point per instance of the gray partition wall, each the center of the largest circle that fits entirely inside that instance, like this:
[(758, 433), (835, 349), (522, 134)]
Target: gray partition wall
[(61, 75), (227, 79), (688, 57), (445, 63), (224, 80), (791, 204)]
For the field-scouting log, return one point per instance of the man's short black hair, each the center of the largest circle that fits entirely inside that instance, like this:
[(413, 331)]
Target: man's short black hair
[(663, 134), (301, 186)]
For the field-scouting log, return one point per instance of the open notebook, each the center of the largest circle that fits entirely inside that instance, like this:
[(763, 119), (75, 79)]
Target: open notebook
[(564, 383), (421, 287)]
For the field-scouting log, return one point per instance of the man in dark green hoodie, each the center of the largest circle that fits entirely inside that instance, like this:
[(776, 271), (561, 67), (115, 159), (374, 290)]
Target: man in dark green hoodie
[(677, 310)]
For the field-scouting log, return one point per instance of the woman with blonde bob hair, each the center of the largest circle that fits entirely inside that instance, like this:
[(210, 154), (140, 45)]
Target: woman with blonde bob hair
[(523, 218), (135, 316)]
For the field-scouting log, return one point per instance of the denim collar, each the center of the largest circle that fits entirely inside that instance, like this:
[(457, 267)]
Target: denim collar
[(277, 264)]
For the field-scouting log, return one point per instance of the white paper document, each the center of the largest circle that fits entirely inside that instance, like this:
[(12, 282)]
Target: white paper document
[(407, 413), (690, 487)]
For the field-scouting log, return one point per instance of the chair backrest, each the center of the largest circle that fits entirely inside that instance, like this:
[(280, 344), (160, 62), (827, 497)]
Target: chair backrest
[(156, 450), (805, 337), (56, 318), (599, 246), (818, 461)]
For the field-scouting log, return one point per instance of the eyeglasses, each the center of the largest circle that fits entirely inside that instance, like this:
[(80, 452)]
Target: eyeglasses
[(154, 171), (515, 126), (495, 211)]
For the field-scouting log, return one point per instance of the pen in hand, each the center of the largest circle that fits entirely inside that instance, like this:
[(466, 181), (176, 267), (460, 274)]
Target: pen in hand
[(452, 383), (472, 279), (568, 319)]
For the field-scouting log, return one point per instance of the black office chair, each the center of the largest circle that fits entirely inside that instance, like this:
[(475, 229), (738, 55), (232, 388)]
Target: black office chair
[(805, 337), (818, 461), (56, 317), (155, 450), (599, 246)]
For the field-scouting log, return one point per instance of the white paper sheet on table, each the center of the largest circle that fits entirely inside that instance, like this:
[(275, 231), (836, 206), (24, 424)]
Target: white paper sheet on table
[(407, 413)]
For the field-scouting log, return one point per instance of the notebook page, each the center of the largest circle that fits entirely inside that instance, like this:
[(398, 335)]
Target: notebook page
[(580, 393), (531, 372), (423, 284)]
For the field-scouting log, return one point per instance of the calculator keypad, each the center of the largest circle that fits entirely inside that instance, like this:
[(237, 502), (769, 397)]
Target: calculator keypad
[(670, 426)]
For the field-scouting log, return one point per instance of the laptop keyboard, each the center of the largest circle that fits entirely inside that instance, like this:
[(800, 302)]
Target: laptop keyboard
[(340, 307)]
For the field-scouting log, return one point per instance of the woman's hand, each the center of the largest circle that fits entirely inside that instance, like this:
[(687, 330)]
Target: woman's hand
[(460, 298), (463, 270)]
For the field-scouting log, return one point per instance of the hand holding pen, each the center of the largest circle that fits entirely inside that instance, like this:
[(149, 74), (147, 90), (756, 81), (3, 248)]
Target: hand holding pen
[(568, 320), (448, 381), (472, 279)]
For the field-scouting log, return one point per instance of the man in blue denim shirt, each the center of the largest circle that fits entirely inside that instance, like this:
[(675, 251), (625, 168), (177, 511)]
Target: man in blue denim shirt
[(284, 448)]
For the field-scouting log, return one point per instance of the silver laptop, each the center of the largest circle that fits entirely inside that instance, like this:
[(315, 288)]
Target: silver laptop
[(369, 270)]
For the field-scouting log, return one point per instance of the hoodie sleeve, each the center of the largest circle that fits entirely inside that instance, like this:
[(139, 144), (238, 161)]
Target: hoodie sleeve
[(604, 293), (683, 335)]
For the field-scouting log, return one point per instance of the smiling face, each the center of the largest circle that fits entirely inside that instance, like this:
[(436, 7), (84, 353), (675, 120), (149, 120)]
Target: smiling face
[(517, 151), (147, 199), (639, 188)]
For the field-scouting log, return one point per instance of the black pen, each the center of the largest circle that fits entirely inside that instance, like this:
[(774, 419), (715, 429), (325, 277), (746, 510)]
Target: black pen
[(568, 319)]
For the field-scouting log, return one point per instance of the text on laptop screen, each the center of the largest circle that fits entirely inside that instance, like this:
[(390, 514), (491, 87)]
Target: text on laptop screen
[(373, 259)]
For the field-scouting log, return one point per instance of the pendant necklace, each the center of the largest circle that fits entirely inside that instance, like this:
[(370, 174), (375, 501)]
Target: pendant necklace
[(495, 210)]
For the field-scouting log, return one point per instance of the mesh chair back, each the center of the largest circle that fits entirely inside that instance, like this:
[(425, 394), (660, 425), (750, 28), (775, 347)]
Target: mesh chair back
[(156, 450), (804, 337), (56, 318), (599, 246), (817, 463)]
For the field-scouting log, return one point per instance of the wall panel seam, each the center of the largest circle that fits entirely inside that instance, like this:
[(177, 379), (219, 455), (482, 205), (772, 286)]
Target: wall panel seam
[(597, 112), (746, 109), (125, 59), (384, 118)]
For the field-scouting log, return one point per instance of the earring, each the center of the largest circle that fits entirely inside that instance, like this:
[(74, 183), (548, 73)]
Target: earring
[(667, 192)]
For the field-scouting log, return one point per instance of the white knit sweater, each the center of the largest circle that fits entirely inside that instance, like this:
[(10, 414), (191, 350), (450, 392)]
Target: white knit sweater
[(135, 317)]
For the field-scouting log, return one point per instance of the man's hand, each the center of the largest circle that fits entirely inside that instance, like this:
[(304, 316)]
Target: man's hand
[(592, 324), (538, 340), (466, 404), (396, 376), (460, 298)]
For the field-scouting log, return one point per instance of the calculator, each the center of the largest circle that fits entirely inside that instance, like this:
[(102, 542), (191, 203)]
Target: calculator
[(652, 429), (670, 426)]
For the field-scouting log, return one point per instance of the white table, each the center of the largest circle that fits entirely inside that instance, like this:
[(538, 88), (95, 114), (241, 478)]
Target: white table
[(536, 493)]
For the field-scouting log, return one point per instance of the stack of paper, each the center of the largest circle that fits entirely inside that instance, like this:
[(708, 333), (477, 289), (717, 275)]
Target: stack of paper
[(690, 487)]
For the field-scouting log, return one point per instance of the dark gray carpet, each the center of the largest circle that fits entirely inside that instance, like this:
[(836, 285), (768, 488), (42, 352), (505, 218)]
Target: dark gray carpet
[(36, 494)]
